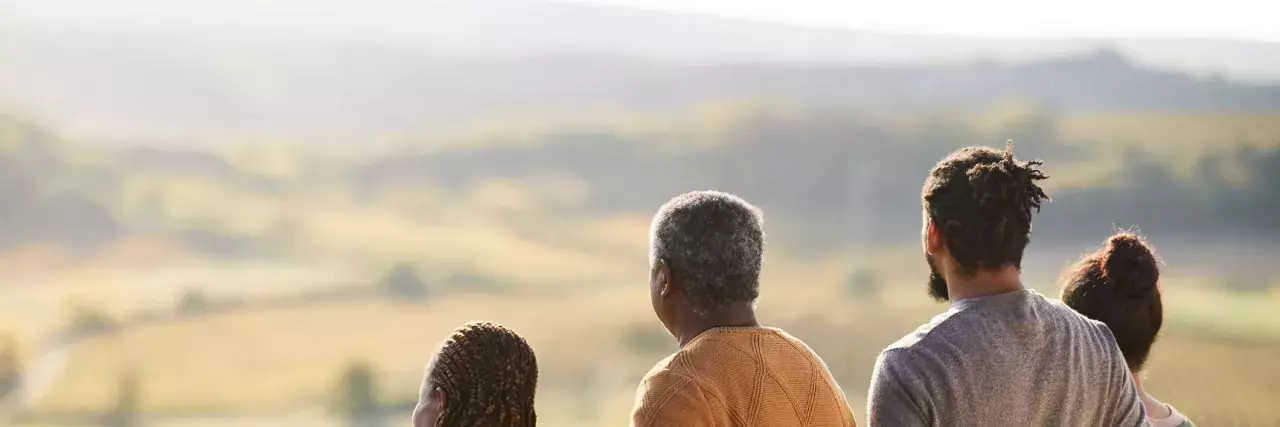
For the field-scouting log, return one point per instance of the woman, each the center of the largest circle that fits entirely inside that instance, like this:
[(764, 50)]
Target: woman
[(1117, 285), (483, 375)]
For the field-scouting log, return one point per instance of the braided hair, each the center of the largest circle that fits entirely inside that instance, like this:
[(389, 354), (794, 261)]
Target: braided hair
[(1116, 285), (488, 374), (981, 200)]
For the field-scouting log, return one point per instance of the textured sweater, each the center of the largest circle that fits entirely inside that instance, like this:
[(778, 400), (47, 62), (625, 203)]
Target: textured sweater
[(741, 376)]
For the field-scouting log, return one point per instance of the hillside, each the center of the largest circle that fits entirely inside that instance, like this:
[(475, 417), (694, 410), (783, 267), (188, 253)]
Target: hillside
[(826, 176), (129, 85), (155, 72), (212, 216), (521, 28)]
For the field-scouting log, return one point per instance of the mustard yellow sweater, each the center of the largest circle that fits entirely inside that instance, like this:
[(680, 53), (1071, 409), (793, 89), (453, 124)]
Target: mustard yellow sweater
[(741, 376)]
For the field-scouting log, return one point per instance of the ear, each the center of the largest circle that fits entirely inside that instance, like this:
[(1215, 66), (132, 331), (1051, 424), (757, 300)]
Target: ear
[(666, 286), (439, 396), (430, 409), (934, 242), (433, 413)]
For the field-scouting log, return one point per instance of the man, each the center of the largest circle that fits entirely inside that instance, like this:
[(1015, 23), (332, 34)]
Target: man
[(705, 253), (1003, 355)]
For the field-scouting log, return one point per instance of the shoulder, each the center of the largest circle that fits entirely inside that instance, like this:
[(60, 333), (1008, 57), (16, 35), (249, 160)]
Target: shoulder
[(899, 393), (892, 363), (927, 351), (909, 369), (662, 366), (1069, 321), (669, 396), (1099, 332), (673, 372), (1065, 311), (940, 328), (794, 346)]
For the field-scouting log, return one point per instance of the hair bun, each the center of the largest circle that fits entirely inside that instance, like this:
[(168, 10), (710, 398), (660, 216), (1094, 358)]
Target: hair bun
[(1129, 266)]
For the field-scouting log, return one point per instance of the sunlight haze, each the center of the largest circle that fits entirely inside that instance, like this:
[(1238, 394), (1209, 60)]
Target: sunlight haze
[(1242, 19), (1247, 19), (250, 213)]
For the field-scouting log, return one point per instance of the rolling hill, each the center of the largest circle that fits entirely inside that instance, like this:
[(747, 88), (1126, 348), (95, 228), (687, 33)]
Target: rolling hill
[(339, 71)]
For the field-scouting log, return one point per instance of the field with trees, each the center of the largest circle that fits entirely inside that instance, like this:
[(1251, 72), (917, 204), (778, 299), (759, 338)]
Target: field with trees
[(293, 239), (244, 284)]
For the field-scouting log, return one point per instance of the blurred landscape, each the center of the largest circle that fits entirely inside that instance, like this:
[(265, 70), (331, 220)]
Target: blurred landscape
[(210, 226)]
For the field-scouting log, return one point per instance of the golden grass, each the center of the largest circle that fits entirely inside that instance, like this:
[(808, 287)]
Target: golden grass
[(1192, 132), (273, 359), (1242, 316), (483, 245), (1179, 139), (276, 360), (472, 230)]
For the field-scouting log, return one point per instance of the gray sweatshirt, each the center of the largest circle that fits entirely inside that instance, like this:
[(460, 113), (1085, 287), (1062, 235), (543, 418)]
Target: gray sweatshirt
[(1014, 359)]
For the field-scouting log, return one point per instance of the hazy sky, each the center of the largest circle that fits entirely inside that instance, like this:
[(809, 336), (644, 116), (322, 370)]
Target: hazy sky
[(1251, 19), (1248, 19)]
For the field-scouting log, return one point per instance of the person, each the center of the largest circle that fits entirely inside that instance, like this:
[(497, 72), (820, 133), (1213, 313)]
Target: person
[(10, 370), (1118, 285), (483, 375), (706, 249), (1002, 355)]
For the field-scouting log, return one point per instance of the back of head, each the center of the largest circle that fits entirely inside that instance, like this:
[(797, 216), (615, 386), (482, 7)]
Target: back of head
[(488, 374), (1118, 285), (713, 243), (981, 200)]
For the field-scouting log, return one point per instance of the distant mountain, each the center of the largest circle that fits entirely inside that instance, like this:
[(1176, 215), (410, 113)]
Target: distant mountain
[(420, 65), (508, 28), (521, 28)]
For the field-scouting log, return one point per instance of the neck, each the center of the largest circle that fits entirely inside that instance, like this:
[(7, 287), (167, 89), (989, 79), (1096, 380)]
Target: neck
[(983, 283), (740, 315), (1155, 408)]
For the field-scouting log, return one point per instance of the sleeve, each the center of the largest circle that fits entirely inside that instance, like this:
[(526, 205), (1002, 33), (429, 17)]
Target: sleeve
[(891, 401), (669, 399), (1185, 421), (1129, 410)]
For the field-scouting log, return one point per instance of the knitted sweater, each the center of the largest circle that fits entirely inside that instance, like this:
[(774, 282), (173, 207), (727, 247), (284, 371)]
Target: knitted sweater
[(741, 376)]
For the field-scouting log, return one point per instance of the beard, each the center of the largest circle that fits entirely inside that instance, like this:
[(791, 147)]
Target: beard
[(937, 283)]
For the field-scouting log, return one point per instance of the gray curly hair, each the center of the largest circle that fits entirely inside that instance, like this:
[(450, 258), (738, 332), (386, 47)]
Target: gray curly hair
[(713, 242)]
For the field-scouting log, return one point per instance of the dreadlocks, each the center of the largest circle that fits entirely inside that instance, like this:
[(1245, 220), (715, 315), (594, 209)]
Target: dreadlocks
[(488, 374), (981, 200)]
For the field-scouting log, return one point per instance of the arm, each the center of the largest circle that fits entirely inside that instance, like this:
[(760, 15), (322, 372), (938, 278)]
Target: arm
[(1129, 410), (891, 401), (670, 399)]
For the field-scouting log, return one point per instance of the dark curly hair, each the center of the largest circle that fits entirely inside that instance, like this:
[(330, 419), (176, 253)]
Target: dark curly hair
[(981, 199), (1117, 285), (488, 374)]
